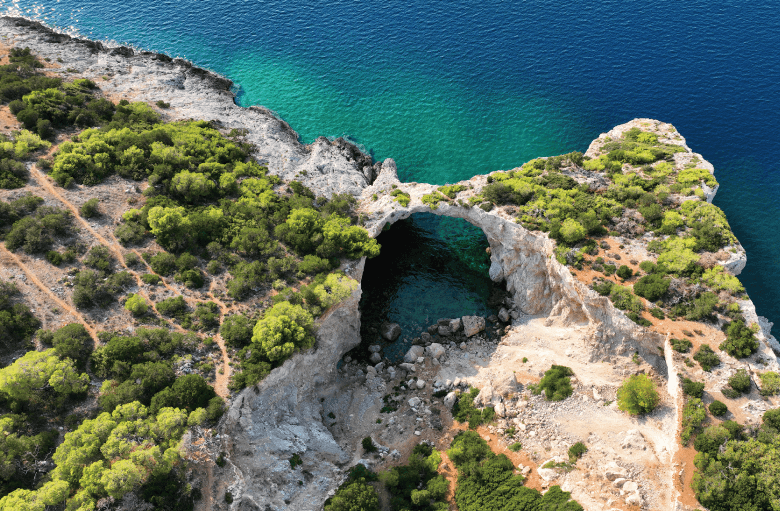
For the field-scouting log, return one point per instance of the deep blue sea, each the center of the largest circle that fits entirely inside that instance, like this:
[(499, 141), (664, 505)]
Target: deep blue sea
[(455, 88)]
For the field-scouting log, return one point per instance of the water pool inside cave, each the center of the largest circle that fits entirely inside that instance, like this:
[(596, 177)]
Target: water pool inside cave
[(430, 267)]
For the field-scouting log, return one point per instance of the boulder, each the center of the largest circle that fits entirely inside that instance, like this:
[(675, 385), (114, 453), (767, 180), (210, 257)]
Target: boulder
[(444, 331), (415, 402), (634, 499), (391, 331), (614, 471), (503, 315), (633, 440), (499, 408), (370, 371), (548, 474), (425, 337), (472, 325), (413, 353), (455, 324), (374, 348), (409, 368), (443, 322), (420, 384), (449, 399), (630, 486), (435, 350), (375, 358), (619, 482), (432, 329)]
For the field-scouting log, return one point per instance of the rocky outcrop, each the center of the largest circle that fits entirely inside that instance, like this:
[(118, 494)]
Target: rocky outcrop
[(282, 416), (328, 166)]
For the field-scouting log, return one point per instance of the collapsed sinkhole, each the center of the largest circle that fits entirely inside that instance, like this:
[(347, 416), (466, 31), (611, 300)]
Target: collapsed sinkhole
[(430, 267)]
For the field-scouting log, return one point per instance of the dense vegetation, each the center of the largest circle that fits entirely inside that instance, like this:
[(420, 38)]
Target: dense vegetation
[(637, 395), (738, 467), (487, 482)]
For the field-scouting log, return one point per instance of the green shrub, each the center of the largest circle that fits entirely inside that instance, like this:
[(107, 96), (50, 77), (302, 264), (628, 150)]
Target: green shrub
[(712, 438), (740, 381), (136, 305), (163, 263), (609, 269), (515, 447), (624, 272), (283, 329), (718, 409), (464, 410), (236, 330), (623, 299), (572, 231), (692, 388), (17, 322), (651, 287), (721, 280), (694, 414), (770, 383), (150, 279), (637, 395), (706, 357), (486, 482), (681, 345), (132, 259), (556, 383), (604, 288), (648, 267), (740, 340), (368, 445), (174, 307), (657, 313), (193, 279), (130, 233), (189, 392), (54, 257), (576, 451), (90, 209), (205, 316), (772, 418), (100, 258)]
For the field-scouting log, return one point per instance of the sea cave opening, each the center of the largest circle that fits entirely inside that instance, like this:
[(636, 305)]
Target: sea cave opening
[(430, 267)]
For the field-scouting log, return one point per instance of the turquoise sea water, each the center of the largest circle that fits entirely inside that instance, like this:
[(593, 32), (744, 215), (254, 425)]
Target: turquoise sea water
[(453, 89)]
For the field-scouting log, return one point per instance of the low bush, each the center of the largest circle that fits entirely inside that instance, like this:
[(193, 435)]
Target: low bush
[(657, 313), (163, 263), (150, 279), (90, 209), (740, 381), (136, 305), (100, 258), (236, 330), (576, 451), (694, 414), (174, 307), (624, 272), (132, 260), (515, 447), (556, 383), (718, 409), (368, 445), (740, 340), (54, 257), (706, 357), (205, 316), (652, 287), (703, 307), (624, 300), (681, 345), (770, 383), (603, 288), (692, 388), (464, 410), (637, 395)]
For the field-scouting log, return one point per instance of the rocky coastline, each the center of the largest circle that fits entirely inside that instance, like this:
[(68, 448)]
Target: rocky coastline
[(319, 404)]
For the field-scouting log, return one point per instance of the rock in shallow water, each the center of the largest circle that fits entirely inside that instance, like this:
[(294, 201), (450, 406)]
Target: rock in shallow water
[(391, 331)]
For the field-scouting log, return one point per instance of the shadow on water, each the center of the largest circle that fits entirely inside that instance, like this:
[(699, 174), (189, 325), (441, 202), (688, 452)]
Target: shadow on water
[(430, 267)]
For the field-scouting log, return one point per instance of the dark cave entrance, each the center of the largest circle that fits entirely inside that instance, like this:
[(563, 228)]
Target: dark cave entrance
[(430, 267)]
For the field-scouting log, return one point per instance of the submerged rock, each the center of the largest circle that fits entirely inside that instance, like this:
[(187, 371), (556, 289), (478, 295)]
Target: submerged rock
[(391, 331)]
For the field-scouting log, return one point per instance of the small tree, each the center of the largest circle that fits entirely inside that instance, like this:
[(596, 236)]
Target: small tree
[(637, 395), (90, 209), (283, 329), (572, 231), (136, 305)]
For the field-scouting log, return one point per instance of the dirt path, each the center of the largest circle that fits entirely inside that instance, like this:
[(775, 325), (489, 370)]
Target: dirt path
[(222, 379), (73, 312)]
